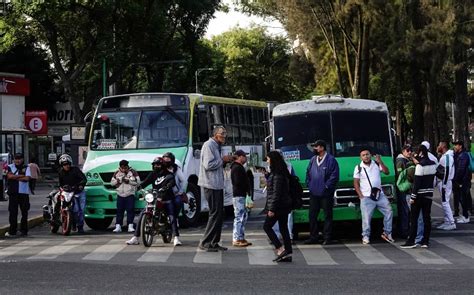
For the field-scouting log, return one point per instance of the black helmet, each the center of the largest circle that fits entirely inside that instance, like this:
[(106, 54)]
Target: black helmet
[(171, 156)]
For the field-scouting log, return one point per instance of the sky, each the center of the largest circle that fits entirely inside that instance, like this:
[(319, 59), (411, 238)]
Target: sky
[(225, 21)]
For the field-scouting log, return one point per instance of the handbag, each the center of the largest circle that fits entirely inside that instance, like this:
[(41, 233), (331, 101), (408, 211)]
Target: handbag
[(374, 191)]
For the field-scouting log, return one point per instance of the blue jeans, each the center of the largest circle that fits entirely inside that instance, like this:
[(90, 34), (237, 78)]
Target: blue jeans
[(79, 207), (420, 227), (241, 215), (125, 204), (172, 208), (403, 214), (276, 227), (367, 207)]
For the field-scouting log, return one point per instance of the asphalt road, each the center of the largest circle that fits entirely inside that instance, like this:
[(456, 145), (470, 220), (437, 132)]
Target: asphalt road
[(101, 262)]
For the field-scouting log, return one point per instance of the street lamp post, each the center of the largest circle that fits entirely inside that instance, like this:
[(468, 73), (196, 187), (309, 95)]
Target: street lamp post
[(196, 74)]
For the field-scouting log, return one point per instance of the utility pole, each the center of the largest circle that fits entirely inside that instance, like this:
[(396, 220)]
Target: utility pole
[(196, 74)]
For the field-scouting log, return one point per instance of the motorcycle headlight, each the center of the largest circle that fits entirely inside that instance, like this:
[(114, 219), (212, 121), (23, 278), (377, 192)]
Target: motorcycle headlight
[(149, 198)]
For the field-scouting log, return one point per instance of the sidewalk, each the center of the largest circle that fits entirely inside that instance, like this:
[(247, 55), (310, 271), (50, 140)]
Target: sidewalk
[(35, 215)]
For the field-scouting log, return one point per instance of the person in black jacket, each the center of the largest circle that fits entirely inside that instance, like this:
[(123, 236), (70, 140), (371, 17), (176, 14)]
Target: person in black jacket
[(73, 177), (160, 178), (240, 189), (278, 206), (461, 182), (421, 197)]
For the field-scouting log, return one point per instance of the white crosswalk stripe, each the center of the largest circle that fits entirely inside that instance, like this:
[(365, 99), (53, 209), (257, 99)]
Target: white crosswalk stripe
[(12, 250), (368, 254), (461, 247), (55, 251), (106, 252), (157, 254), (424, 256), (316, 255), (260, 252), (207, 257)]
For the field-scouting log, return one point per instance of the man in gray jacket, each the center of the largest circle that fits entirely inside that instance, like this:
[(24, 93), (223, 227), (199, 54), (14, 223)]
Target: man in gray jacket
[(211, 178)]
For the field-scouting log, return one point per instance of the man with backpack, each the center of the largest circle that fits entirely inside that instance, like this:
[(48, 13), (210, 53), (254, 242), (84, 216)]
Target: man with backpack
[(444, 179), (461, 181), (405, 170), (322, 176)]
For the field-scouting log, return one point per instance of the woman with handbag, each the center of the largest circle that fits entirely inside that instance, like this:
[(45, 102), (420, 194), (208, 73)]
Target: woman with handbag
[(278, 206)]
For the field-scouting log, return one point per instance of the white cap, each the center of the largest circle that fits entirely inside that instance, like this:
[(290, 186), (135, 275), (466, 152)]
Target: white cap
[(426, 144)]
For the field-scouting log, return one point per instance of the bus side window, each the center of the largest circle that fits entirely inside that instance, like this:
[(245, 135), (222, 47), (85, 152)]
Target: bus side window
[(201, 131)]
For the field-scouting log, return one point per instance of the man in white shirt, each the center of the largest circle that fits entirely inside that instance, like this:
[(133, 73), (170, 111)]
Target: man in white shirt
[(368, 185), (445, 183)]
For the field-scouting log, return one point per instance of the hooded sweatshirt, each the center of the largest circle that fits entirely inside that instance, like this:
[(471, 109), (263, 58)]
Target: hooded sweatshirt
[(425, 172)]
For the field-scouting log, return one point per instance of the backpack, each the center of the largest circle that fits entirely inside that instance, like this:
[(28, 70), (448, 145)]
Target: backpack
[(296, 192), (471, 162), (403, 184)]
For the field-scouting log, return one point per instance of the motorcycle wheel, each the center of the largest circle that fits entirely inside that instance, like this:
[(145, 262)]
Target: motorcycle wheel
[(66, 222), (147, 230), (167, 234)]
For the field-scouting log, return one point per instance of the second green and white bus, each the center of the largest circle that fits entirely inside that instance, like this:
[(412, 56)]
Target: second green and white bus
[(140, 127), (346, 125)]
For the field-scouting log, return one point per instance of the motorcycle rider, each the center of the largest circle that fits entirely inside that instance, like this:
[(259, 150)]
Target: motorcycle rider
[(73, 177), (179, 190), (159, 178)]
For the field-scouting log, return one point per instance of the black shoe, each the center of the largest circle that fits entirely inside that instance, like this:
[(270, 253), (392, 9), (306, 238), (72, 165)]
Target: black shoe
[(310, 242), (80, 230), (456, 214), (326, 242), (220, 248), (207, 249), (286, 259), (408, 245), (283, 255), (23, 234)]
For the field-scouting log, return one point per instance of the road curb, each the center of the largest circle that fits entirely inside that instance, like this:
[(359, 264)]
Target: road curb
[(32, 222)]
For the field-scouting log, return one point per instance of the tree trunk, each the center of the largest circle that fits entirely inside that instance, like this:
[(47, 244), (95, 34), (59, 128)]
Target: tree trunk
[(417, 104), (365, 63)]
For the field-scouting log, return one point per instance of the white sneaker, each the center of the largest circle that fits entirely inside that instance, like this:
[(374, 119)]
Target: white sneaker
[(130, 228), (462, 219), (449, 227), (442, 226), (177, 242), (133, 241), (365, 240), (118, 228)]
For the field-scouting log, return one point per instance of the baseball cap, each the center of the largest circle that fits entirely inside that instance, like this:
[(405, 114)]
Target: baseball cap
[(319, 142), (18, 156), (426, 144), (123, 163), (239, 153)]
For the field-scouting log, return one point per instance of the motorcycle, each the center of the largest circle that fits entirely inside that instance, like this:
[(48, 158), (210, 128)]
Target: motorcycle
[(60, 214), (155, 219)]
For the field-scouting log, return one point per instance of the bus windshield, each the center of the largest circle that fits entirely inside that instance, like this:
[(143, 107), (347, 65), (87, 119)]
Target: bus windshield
[(355, 130), (134, 129), (295, 133), (350, 131)]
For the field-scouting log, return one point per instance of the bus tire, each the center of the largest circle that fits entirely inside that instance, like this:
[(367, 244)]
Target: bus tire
[(98, 224), (192, 209)]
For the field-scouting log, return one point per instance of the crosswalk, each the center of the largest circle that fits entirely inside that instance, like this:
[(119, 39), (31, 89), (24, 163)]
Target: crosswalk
[(261, 253)]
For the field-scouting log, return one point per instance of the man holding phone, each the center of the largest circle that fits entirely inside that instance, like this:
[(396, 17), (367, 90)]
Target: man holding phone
[(368, 186)]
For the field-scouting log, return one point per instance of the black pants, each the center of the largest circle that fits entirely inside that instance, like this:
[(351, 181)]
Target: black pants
[(315, 205), (23, 201), (125, 204), (462, 195), (32, 184), (2, 189), (423, 205), (282, 219), (212, 234)]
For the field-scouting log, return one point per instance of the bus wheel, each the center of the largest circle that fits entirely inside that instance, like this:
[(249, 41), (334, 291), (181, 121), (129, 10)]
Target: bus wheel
[(98, 224), (192, 209)]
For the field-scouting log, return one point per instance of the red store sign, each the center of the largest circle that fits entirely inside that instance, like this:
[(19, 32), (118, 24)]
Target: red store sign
[(37, 122), (14, 86)]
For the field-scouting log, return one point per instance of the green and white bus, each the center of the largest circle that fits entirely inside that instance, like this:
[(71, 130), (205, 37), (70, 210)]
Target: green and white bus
[(140, 127), (346, 125)]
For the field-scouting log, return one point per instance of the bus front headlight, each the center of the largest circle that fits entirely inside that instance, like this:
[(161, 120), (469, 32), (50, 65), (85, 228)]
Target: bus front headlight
[(387, 190), (149, 198)]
